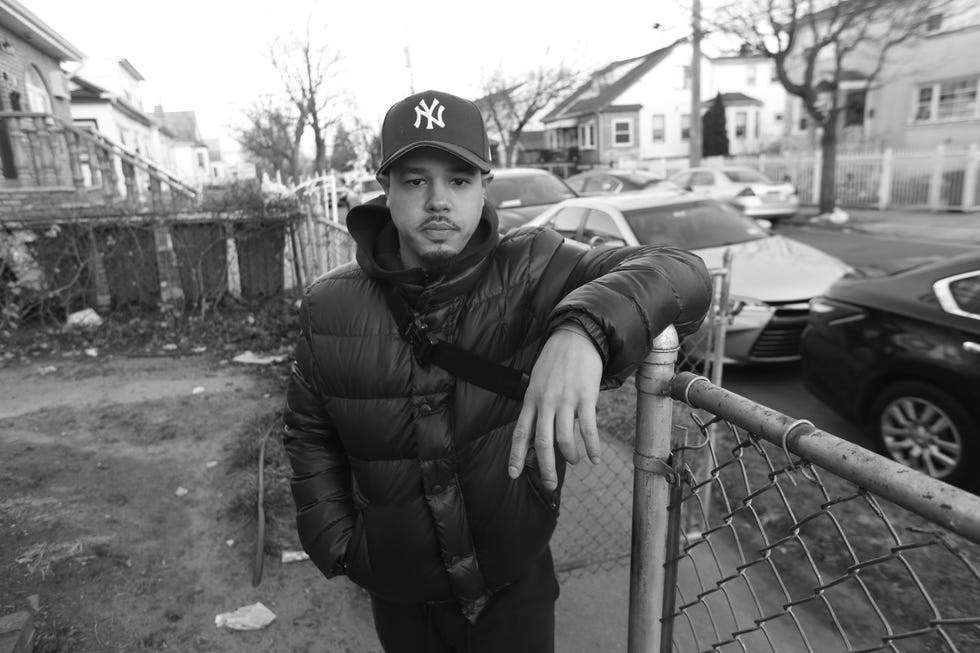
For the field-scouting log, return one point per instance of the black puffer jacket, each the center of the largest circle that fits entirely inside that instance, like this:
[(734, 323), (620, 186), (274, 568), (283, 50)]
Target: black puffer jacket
[(400, 471)]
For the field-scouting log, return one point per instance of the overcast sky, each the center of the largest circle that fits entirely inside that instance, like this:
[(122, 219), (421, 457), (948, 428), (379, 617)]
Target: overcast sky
[(210, 56)]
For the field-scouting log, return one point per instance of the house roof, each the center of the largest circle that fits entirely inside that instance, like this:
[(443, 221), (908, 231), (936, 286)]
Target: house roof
[(183, 125), (88, 92), (619, 76), (19, 20), (734, 99)]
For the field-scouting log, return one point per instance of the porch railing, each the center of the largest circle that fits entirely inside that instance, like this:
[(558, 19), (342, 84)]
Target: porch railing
[(40, 151)]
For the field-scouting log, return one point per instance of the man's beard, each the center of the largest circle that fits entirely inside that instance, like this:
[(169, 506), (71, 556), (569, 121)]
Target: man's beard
[(437, 261)]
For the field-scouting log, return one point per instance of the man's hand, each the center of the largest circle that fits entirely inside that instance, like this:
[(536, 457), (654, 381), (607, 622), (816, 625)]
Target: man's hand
[(564, 386)]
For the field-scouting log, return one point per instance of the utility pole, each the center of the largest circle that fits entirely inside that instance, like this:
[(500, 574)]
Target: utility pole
[(695, 131), (411, 75)]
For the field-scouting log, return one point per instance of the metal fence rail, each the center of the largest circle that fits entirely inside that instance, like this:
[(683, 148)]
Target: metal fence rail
[(810, 543)]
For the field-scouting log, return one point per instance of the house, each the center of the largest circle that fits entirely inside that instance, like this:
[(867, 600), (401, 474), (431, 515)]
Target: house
[(53, 169), (754, 99), (33, 91), (925, 95), (628, 111), (639, 109), (191, 157)]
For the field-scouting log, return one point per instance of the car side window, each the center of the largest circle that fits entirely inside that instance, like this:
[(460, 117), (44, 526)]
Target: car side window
[(600, 224), (567, 220), (702, 179), (965, 292)]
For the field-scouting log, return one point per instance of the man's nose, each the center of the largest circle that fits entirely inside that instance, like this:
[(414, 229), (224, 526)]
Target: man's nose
[(438, 199)]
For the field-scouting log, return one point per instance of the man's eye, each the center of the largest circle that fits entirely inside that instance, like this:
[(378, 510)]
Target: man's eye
[(414, 182), (460, 181)]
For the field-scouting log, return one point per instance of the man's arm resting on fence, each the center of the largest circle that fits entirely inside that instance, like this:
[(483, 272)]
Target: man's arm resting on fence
[(621, 299)]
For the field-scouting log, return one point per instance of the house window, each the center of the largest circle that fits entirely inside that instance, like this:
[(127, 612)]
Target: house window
[(741, 124), (659, 122), (38, 98), (686, 127), (854, 108), (758, 119), (750, 76), (586, 136), (200, 161), (685, 72), (934, 23), (952, 100), (622, 133), (923, 110)]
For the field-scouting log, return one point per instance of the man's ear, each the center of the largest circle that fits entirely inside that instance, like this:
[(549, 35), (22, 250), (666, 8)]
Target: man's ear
[(384, 180)]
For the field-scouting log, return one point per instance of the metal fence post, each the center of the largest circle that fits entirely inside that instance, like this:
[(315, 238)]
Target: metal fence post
[(651, 493)]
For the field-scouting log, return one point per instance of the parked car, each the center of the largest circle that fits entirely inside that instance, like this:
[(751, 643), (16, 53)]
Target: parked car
[(604, 181), (773, 277), (751, 191), (363, 190), (897, 348), (520, 194)]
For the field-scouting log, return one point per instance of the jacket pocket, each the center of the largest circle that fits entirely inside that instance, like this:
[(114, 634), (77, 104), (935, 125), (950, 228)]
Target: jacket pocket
[(551, 499), (357, 563)]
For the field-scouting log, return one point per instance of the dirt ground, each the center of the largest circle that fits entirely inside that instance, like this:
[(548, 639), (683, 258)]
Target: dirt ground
[(114, 512)]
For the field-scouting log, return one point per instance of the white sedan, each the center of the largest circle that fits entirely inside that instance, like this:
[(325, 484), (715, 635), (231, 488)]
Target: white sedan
[(773, 277), (751, 191)]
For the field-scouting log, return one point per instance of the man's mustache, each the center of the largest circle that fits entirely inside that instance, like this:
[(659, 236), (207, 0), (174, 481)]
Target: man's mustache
[(440, 221)]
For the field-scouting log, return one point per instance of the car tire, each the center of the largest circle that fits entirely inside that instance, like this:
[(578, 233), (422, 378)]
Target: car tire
[(921, 426)]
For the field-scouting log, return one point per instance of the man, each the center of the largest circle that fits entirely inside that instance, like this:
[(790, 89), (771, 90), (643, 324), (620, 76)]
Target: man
[(421, 484)]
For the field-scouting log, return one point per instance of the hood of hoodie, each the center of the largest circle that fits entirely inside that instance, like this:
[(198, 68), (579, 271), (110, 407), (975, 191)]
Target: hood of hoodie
[(377, 249)]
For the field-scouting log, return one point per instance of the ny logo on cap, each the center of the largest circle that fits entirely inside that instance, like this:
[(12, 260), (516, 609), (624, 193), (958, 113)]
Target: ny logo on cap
[(429, 113)]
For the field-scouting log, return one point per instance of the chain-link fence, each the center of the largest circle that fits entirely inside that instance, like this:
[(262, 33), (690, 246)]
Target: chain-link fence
[(807, 543)]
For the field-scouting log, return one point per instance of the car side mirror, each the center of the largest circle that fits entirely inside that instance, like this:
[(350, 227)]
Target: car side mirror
[(764, 223), (689, 188)]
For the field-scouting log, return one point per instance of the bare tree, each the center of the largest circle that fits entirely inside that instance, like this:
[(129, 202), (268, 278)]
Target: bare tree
[(509, 102), (307, 71), (816, 44), (272, 135)]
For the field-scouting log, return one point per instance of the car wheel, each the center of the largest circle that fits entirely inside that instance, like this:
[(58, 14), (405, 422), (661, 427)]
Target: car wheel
[(922, 427)]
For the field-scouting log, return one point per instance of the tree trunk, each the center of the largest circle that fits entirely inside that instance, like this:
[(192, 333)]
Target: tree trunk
[(828, 170)]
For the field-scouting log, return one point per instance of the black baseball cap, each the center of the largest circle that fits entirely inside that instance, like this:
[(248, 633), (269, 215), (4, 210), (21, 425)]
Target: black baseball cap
[(435, 119)]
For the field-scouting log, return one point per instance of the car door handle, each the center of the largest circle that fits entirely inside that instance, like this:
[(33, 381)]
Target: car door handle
[(972, 347)]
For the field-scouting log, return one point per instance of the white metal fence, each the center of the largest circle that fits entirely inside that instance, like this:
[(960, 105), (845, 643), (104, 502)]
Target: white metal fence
[(944, 178), (939, 179)]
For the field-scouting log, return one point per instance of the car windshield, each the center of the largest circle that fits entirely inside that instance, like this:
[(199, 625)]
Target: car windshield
[(692, 225), (747, 176), (507, 192)]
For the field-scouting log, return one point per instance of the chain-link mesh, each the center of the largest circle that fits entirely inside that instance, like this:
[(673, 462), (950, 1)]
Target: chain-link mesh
[(594, 530), (790, 556)]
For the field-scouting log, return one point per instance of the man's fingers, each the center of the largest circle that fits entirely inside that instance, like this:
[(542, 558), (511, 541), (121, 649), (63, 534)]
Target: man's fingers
[(520, 440), (544, 448), (590, 432), (565, 435)]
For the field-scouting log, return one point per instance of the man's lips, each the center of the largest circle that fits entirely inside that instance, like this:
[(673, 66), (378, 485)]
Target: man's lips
[(439, 225)]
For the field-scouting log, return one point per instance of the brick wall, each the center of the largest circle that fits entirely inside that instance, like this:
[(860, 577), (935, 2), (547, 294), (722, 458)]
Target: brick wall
[(13, 69)]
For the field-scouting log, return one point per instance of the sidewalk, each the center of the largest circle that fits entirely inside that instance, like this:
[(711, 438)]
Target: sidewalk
[(947, 226)]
